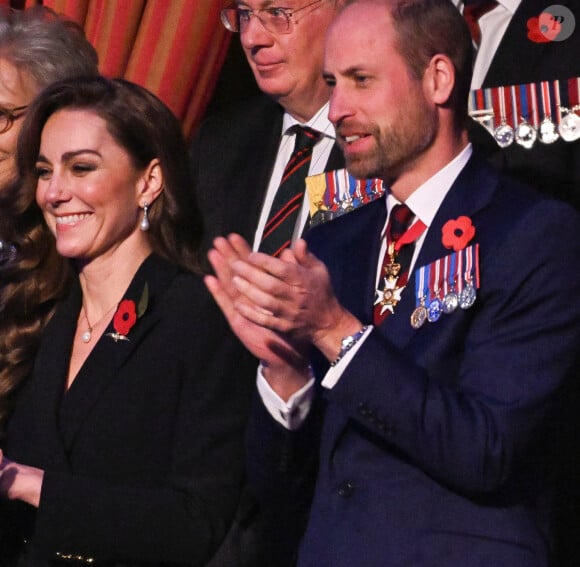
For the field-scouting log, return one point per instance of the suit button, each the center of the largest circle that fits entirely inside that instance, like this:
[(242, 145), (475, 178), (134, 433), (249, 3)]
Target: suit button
[(363, 409), (346, 489)]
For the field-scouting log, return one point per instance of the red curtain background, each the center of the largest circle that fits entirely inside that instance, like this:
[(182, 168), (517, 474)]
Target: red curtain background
[(174, 48)]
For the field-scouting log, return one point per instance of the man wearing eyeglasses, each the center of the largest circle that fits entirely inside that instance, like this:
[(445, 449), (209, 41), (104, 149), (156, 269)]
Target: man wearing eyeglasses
[(239, 157)]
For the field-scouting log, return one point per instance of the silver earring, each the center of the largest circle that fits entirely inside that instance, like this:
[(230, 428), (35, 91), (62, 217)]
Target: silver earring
[(144, 224)]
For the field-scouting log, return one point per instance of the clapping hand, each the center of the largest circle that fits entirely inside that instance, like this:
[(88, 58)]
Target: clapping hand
[(269, 346), (20, 482)]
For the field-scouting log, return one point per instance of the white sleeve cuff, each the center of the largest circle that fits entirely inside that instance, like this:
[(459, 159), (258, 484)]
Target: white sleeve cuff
[(290, 414)]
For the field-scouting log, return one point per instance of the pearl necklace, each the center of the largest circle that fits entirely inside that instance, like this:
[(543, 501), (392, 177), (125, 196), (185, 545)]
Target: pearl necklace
[(88, 334)]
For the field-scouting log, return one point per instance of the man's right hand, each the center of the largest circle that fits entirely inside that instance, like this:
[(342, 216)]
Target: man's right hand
[(285, 364)]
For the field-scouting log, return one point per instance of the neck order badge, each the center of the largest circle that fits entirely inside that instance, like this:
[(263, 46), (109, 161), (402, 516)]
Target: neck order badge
[(401, 237)]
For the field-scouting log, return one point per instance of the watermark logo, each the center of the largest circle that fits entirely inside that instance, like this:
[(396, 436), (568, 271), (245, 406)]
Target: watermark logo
[(555, 23)]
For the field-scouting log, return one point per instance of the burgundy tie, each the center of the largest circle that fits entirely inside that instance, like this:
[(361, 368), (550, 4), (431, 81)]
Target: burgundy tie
[(472, 11), (288, 200), (399, 221)]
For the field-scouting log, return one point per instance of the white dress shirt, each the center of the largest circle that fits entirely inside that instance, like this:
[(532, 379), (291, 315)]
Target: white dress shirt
[(424, 202)]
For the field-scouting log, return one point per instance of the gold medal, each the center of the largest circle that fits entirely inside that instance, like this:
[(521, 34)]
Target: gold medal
[(418, 317)]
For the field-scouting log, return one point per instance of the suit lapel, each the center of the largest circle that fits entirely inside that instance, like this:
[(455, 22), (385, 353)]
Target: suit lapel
[(254, 169), (49, 378), (353, 270), (104, 362)]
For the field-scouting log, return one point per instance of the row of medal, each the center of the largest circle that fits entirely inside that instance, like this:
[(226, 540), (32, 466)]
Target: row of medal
[(445, 285), (334, 193), (524, 114)]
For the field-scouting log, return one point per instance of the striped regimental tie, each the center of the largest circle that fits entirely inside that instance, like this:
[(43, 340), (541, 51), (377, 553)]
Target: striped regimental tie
[(288, 200)]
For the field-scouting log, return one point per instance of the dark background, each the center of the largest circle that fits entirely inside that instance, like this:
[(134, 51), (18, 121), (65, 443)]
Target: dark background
[(236, 81)]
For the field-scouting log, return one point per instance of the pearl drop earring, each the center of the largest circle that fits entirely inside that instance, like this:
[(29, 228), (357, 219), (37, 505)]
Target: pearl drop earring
[(144, 224)]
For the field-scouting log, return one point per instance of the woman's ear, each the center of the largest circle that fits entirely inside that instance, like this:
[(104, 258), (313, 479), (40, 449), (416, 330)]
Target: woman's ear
[(150, 183)]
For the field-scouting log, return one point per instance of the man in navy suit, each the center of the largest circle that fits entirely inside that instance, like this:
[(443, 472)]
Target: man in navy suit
[(433, 436)]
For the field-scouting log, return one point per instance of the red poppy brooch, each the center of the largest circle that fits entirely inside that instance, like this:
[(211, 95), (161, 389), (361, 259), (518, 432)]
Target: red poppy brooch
[(457, 233), (127, 314)]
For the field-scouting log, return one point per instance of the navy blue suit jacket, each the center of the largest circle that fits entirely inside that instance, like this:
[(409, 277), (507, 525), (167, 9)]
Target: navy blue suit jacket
[(440, 446)]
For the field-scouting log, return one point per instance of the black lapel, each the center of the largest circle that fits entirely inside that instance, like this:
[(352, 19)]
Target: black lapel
[(49, 378), (253, 167), (108, 355)]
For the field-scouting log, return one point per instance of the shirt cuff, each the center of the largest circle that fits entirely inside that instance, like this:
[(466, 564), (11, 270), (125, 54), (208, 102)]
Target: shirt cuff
[(334, 373), (290, 414)]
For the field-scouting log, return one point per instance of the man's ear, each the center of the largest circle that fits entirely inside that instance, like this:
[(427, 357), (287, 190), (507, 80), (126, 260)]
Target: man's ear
[(439, 79), (150, 184)]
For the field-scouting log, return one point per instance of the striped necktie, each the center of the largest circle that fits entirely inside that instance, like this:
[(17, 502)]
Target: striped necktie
[(286, 206)]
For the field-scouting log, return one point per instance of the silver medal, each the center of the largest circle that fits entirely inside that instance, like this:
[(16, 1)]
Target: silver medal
[(569, 127), (346, 205), (467, 296), (450, 302), (504, 135), (548, 131), (526, 134)]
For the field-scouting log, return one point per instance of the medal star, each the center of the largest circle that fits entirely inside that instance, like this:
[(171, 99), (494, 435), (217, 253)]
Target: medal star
[(389, 296)]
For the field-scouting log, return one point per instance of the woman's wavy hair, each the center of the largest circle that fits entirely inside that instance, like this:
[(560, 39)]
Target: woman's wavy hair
[(33, 283), (46, 48)]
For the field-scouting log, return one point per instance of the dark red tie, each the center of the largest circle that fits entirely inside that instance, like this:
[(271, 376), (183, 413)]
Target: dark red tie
[(286, 206), (399, 221), (472, 11)]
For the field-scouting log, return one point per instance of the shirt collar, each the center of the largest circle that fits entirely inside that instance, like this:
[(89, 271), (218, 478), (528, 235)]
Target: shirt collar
[(425, 201), (318, 122), (510, 5)]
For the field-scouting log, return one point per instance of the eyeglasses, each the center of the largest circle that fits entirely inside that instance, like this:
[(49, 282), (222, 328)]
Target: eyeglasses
[(9, 115), (275, 20)]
